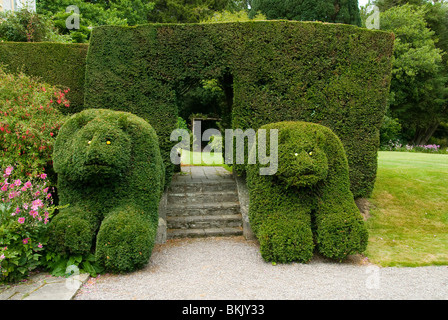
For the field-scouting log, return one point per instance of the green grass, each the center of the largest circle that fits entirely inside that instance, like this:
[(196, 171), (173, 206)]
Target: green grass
[(203, 159), (409, 219)]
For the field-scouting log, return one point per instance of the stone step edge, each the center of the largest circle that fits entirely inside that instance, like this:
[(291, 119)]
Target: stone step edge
[(207, 205), (214, 217), (202, 193), (201, 181), (201, 233)]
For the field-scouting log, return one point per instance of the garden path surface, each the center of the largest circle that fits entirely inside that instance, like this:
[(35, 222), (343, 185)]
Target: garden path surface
[(232, 268)]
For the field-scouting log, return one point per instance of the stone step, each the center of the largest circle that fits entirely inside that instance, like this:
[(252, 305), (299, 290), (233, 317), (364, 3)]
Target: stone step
[(202, 233), (186, 198), (198, 209), (204, 221), (202, 186)]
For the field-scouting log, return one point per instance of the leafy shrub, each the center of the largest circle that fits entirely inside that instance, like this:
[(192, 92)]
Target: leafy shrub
[(390, 130), (307, 203), (111, 176), (29, 123), (27, 26), (57, 64), (25, 211), (60, 265)]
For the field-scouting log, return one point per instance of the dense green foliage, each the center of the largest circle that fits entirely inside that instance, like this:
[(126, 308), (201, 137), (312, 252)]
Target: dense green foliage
[(309, 194), (60, 64), (419, 90), (339, 11), (30, 118), (334, 74), (27, 26), (111, 175), (91, 14), (129, 13), (419, 86)]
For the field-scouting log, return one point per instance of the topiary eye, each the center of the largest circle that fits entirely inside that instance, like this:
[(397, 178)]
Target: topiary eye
[(89, 142), (311, 153), (108, 142)]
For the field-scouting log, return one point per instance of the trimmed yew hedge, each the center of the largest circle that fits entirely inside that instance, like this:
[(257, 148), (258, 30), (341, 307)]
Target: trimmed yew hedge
[(111, 176), (333, 74), (307, 204), (58, 64)]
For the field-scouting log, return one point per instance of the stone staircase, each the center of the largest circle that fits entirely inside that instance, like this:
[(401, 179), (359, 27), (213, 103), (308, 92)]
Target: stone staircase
[(203, 202)]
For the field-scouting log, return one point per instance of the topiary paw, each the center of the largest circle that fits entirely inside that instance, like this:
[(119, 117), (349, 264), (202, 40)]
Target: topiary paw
[(125, 240), (283, 239)]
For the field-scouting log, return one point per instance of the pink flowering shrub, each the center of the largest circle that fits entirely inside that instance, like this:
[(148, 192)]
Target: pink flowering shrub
[(30, 118), (25, 210)]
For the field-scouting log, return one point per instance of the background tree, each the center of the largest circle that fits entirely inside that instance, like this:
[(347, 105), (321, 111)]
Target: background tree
[(419, 83), (186, 11), (336, 11), (27, 26)]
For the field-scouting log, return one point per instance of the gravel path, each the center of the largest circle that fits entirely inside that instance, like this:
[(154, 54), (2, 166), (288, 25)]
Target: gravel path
[(232, 268)]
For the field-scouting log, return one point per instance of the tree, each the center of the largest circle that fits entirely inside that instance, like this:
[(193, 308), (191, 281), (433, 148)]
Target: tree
[(419, 81), (384, 5), (27, 26), (232, 16), (336, 11), (90, 15), (186, 11)]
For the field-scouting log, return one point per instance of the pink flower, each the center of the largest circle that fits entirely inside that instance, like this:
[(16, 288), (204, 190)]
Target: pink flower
[(25, 241), (40, 245), (37, 204), (2, 257), (21, 220), (18, 182), (43, 176), (4, 187), (28, 184), (33, 213), (15, 212), (25, 206), (12, 195), (8, 170)]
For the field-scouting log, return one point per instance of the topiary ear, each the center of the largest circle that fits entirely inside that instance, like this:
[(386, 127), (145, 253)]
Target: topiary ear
[(283, 135), (320, 137), (81, 119), (123, 122)]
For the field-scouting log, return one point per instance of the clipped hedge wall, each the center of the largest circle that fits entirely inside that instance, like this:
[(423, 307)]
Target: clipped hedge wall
[(58, 64), (333, 74), (307, 204), (111, 175)]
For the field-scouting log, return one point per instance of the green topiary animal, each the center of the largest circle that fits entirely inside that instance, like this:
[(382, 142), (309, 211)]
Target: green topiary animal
[(111, 175), (307, 203)]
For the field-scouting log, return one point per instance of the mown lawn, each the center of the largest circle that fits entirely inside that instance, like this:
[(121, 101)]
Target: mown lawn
[(409, 218), (203, 159)]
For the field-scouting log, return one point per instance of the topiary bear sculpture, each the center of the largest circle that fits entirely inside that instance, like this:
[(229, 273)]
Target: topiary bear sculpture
[(307, 204), (110, 173)]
